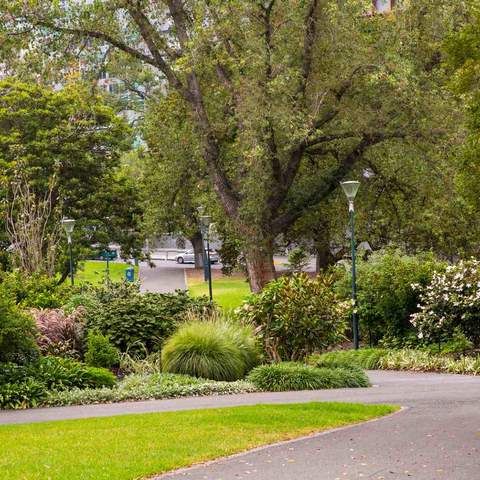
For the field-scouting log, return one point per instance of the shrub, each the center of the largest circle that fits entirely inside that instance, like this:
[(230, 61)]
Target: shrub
[(100, 352), (17, 332), (34, 291), (59, 334), (24, 386), (281, 377), (296, 315), (451, 301), (140, 323), (26, 394), (385, 292), (63, 373), (297, 260), (214, 349), (96, 377), (85, 299)]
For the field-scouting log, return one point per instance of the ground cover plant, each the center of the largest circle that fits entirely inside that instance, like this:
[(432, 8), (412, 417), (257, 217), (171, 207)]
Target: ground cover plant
[(136, 446), (216, 348), (414, 360), (155, 386), (282, 377)]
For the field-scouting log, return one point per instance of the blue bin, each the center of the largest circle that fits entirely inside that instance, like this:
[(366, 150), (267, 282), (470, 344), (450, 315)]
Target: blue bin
[(130, 274)]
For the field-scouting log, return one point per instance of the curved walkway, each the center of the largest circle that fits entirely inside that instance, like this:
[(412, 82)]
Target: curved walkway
[(161, 279), (437, 436)]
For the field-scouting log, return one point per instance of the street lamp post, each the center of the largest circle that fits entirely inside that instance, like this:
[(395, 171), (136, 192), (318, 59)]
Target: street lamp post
[(351, 188), (205, 222), (68, 225)]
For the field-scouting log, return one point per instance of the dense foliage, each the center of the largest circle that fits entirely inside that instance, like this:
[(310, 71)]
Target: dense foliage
[(59, 333), (215, 349), (281, 377), (27, 386), (451, 301), (17, 332), (100, 352), (285, 99), (139, 323), (34, 291), (296, 315), (387, 293)]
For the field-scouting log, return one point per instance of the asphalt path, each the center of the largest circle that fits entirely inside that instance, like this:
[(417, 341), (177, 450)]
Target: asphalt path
[(435, 437), (161, 279)]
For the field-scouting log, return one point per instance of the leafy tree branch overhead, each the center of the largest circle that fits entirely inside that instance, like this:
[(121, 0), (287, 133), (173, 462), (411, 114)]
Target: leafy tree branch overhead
[(270, 85)]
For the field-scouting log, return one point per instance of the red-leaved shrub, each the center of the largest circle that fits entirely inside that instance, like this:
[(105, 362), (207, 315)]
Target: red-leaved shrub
[(59, 333)]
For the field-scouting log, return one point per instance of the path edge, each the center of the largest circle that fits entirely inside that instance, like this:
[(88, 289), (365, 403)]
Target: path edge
[(198, 466)]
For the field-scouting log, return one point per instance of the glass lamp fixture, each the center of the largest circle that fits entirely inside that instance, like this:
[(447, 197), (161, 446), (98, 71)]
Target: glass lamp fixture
[(350, 188), (68, 225)]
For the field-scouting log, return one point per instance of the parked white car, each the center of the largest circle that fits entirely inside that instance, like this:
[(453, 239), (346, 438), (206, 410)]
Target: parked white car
[(189, 257)]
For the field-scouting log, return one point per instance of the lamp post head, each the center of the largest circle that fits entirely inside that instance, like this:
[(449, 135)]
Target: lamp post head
[(350, 188), (68, 225)]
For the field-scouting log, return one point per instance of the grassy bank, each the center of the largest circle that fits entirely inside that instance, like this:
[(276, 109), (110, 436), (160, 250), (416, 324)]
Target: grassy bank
[(133, 446), (95, 272), (228, 292)]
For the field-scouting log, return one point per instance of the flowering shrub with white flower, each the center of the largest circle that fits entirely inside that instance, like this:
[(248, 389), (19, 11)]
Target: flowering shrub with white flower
[(451, 301)]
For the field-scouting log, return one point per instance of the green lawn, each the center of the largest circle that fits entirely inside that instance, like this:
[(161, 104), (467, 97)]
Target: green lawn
[(135, 446), (93, 271), (227, 292)]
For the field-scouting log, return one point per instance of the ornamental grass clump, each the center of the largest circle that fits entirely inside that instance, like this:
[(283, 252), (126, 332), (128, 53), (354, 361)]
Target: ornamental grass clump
[(215, 349), (282, 377)]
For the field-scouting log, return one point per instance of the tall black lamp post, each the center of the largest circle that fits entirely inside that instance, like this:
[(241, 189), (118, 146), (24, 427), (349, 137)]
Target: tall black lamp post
[(351, 188), (68, 225), (205, 223)]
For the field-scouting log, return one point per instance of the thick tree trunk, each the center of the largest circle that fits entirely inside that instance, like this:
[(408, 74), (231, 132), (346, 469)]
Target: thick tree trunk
[(260, 267), (324, 257), (197, 243)]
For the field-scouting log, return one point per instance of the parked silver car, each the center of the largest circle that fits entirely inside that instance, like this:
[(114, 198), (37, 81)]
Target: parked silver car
[(189, 257)]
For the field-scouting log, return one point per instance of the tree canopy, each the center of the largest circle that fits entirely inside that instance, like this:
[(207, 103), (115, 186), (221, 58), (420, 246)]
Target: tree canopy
[(67, 144), (285, 99)]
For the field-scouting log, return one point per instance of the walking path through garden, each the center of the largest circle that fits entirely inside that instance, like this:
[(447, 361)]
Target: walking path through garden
[(436, 437), (161, 279)]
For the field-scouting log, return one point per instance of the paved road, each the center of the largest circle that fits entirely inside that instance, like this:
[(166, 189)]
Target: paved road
[(164, 279), (437, 437)]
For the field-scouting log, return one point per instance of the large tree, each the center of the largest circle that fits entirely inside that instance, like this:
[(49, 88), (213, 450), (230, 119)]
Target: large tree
[(288, 97), (174, 181)]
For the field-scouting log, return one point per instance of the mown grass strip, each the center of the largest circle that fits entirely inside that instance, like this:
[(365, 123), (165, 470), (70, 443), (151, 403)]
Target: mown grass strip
[(134, 446), (229, 293)]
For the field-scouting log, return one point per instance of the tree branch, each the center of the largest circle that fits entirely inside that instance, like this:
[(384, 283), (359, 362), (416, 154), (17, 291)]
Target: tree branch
[(330, 183), (308, 43)]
